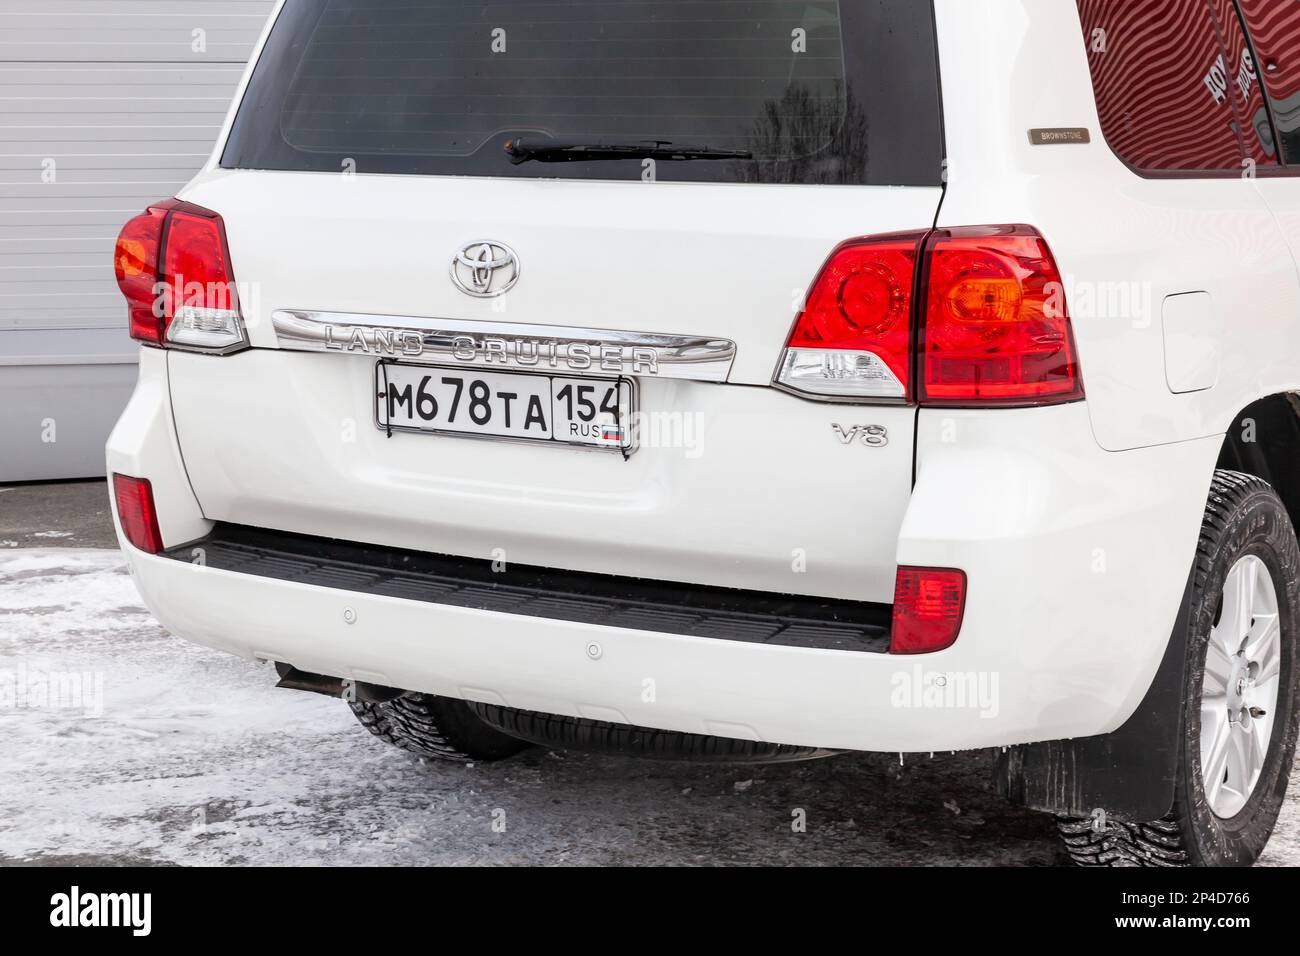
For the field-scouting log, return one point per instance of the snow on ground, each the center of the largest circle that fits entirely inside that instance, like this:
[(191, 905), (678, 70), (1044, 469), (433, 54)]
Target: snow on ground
[(156, 751)]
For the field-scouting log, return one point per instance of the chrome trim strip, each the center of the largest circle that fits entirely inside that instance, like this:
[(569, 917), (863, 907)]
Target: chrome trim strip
[(529, 348)]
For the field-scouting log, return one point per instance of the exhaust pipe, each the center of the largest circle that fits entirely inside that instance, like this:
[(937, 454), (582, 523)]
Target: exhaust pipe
[(293, 679)]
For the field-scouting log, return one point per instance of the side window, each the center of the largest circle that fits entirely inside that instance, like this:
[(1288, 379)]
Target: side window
[(1275, 33), (1163, 84), (1243, 87)]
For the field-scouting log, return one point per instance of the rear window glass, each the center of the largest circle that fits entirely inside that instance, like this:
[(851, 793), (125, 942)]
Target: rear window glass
[(814, 92)]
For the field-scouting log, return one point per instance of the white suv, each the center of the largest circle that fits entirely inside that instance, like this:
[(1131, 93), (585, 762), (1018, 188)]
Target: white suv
[(884, 376)]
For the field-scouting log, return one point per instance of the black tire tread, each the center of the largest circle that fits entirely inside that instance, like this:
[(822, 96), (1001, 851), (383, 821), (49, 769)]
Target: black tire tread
[(438, 728), (1122, 844)]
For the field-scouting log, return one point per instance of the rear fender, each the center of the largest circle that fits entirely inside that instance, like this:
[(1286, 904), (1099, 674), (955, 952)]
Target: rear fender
[(1129, 773)]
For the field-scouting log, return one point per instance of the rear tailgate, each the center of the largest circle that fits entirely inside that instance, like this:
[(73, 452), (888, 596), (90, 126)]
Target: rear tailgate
[(731, 482)]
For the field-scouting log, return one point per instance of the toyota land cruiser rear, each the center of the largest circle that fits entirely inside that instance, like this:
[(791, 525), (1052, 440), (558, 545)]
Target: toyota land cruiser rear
[(661, 375)]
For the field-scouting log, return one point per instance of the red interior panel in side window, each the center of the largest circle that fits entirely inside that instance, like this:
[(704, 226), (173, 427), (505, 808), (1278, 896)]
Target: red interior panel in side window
[(1163, 83)]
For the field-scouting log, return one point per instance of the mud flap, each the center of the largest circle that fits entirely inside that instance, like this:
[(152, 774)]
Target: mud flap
[(1130, 773)]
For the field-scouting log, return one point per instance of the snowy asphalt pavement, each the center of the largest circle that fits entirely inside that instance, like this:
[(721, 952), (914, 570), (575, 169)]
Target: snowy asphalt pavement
[(158, 751)]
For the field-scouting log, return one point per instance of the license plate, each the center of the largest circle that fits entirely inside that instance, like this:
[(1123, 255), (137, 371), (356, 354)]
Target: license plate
[(596, 413)]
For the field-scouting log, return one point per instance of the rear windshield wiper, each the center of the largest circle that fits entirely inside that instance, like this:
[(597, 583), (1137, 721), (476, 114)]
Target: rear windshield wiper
[(563, 151)]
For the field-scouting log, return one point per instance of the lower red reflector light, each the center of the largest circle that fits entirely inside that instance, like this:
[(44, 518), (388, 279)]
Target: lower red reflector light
[(928, 608), (136, 512)]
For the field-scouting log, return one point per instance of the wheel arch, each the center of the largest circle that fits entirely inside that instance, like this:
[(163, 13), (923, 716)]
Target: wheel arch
[(1264, 441), (1131, 772)]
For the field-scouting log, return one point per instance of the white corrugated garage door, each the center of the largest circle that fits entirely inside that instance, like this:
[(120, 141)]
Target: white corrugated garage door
[(105, 106)]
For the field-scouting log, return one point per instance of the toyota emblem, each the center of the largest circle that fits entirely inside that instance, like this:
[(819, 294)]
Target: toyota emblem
[(484, 268)]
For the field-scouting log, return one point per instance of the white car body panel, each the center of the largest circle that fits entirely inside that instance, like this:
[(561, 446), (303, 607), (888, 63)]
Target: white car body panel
[(1053, 668), (716, 512), (671, 258), (1115, 234), (1076, 524)]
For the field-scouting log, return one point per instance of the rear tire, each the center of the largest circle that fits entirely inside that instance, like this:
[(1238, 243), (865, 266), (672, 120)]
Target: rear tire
[(440, 728), (1240, 688)]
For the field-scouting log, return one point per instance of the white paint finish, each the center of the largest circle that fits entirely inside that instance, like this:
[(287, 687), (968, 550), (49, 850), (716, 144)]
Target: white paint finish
[(1113, 232), (1283, 197), (728, 261), (1023, 501), (1076, 539), (640, 257), (704, 499), (1069, 662), (299, 782), (541, 664), (1076, 557), (1193, 342), (143, 445)]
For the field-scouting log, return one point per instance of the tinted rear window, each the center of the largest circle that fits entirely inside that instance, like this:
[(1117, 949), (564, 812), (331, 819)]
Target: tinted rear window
[(817, 92)]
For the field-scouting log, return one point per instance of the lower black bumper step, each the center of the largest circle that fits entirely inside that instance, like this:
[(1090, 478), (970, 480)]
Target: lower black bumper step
[(756, 617)]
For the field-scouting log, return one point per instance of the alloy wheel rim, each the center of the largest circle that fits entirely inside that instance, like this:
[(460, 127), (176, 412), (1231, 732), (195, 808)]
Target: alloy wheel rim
[(1239, 691)]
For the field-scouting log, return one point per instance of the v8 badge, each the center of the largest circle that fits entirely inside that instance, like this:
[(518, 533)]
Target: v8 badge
[(873, 436)]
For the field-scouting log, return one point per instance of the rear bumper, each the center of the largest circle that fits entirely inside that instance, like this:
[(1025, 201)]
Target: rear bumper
[(613, 602), (1076, 558)]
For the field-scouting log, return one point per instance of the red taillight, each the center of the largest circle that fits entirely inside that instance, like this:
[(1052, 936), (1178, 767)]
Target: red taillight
[(928, 607), (136, 512), (990, 325), (198, 274), (996, 329), (853, 337), (173, 266), (135, 261)]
